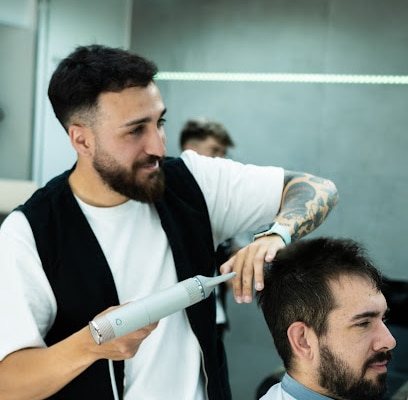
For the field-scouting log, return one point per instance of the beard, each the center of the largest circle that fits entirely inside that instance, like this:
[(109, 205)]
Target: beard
[(125, 182), (336, 376)]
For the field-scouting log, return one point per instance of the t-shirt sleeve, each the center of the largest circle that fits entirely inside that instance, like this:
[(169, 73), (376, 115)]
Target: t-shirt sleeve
[(27, 304), (240, 197)]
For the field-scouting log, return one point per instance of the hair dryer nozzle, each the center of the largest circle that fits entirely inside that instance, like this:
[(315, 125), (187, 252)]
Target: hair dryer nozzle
[(208, 284)]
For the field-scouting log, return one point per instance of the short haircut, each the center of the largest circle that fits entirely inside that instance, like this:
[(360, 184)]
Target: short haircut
[(91, 70), (202, 128), (297, 285)]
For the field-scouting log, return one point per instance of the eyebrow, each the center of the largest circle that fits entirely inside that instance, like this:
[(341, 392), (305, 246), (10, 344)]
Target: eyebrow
[(368, 314), (142, 120)]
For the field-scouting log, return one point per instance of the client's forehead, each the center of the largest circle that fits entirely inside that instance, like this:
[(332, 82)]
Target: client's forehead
[(356, 295)]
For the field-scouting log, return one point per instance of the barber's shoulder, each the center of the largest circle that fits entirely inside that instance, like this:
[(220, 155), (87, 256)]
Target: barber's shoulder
[(15, 223), (195, 161)]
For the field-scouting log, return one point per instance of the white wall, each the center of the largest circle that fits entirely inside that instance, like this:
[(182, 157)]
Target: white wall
[(63, 25), (17, 49), (18, 13)]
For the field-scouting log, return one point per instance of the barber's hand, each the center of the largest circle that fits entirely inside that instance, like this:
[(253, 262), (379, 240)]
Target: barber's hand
[(126, 346), (248, 263), (123, 347)]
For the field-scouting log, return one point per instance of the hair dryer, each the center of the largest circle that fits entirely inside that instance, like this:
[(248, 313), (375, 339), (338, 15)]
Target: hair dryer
[(142, 312)]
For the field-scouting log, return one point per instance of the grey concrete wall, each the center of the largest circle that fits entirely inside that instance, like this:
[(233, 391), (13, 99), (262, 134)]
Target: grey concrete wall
[(351, 133)]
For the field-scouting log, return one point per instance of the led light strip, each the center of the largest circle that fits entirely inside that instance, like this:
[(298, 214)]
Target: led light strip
[(288, 78)]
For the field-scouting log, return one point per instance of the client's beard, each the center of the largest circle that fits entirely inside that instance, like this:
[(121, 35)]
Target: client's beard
[(342, 383)]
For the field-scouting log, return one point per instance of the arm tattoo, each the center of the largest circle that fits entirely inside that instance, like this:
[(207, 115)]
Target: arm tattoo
[(306, 203)]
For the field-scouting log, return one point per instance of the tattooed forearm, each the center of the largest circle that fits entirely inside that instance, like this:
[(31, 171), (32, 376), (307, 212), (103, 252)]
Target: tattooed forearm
[(307, 201)]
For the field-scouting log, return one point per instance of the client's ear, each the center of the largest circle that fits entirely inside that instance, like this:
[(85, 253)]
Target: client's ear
[(303, 340)]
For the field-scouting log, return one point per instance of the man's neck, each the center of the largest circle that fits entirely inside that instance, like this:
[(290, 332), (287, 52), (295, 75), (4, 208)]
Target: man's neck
[(93, 191)]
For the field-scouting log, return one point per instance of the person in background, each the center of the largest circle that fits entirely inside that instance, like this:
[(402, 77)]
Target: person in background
[(210, 138), (323, 304), (120, 225), (205, 136)]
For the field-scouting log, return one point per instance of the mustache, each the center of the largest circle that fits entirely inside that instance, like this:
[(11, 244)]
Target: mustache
[(379, 357), (148, 160)]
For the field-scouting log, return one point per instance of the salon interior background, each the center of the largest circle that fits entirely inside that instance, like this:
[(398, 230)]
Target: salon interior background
[(250, 66)]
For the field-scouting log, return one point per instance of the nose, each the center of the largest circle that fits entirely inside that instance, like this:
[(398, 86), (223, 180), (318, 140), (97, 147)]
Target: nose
[(155, 143), (385, 339)]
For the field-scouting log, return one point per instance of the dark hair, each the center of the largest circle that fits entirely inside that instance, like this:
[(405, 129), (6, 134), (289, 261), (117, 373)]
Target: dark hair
[(297, 285), (91, 70), (201, 128)]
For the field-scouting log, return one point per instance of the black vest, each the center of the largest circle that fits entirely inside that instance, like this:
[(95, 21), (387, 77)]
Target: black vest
[(83, 284)]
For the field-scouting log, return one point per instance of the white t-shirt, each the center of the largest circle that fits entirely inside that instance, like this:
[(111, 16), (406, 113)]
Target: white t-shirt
[(239, 198)]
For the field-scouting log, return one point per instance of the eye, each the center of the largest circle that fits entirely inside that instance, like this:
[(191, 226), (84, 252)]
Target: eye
[(161, 122), (363, 324), (137, 130)]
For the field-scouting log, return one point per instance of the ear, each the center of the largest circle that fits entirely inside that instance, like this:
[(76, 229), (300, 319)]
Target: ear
[(303, 340), (81, 139)]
